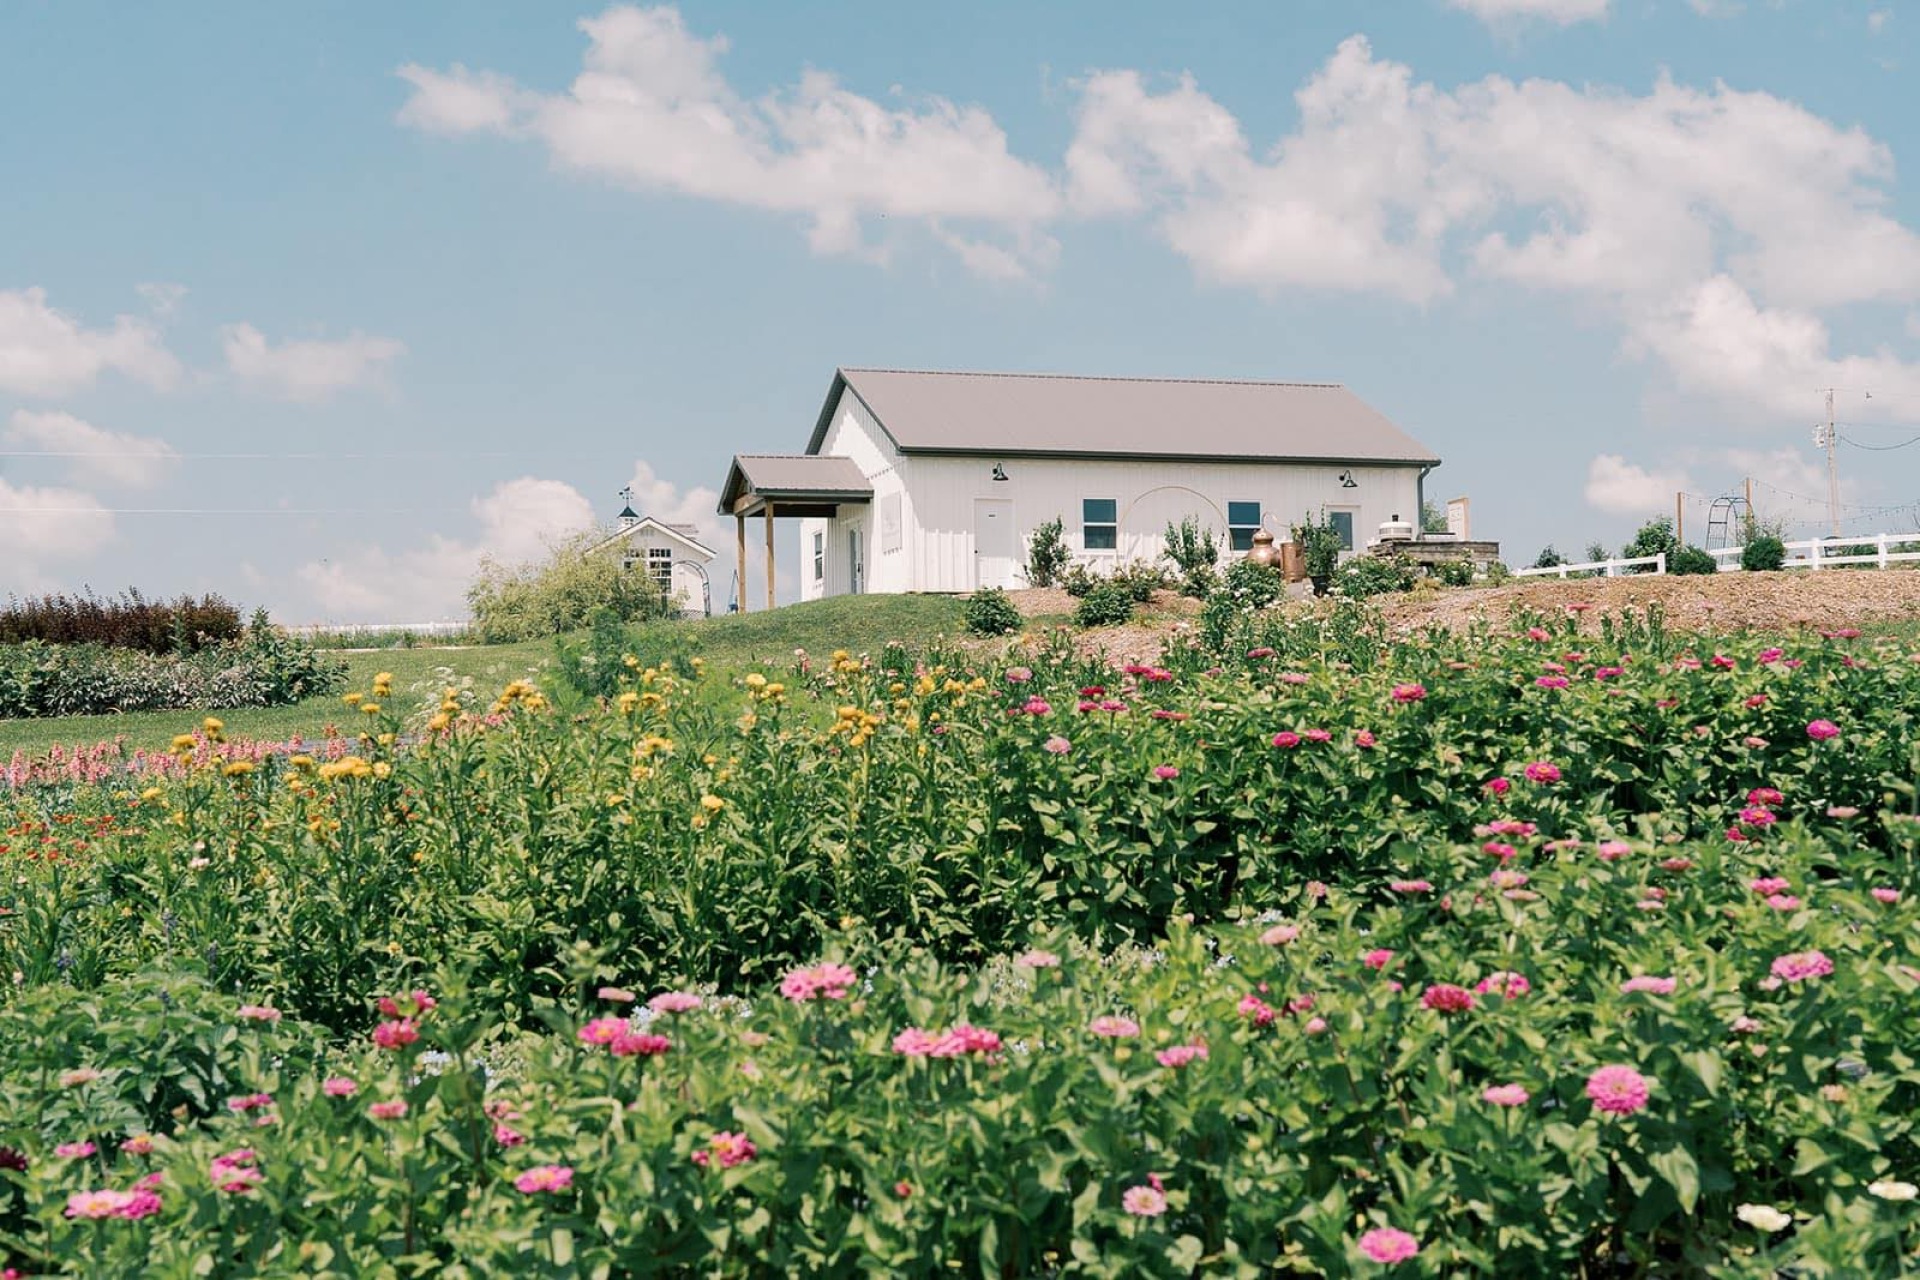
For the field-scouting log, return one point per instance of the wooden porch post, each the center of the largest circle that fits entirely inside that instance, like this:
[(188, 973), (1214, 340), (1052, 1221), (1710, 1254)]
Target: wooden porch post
[(769, 510), (740, 578)]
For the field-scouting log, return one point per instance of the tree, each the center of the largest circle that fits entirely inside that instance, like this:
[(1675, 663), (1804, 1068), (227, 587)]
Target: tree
[(560, 593), (1548, 558), (1047, 554), (1433, 517), (1195, 552), (1655, 538)]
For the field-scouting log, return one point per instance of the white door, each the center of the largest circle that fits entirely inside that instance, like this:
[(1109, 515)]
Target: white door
[(856, 562), (996, 551)]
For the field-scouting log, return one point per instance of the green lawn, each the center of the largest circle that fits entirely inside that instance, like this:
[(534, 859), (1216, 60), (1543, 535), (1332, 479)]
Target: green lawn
[(727, 643)]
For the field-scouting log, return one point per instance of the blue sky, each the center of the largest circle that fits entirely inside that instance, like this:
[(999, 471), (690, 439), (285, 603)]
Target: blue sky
[(315, 306)]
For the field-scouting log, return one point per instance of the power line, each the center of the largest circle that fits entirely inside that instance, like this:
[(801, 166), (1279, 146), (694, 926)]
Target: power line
[(1880, 448), (413, 455)]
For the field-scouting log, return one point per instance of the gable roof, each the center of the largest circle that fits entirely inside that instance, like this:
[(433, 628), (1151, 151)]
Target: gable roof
[(790, 477), (682, 533), (1067, 415)]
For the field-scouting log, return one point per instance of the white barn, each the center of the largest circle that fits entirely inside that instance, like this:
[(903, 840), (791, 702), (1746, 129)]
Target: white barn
[(918, 481), (671, 554)]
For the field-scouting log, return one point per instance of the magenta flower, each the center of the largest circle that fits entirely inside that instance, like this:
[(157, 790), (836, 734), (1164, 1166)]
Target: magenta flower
[(392, 1109), (602, 1031), (1544, 772), (1113, 1027), (1505, 1095), (339, 1087), (1037, 707), (1766, 885), (1388, 1245), (1650, 984), (1165, 772), (1286, 740), (1497, 786), (1377, 959), (553, 1178), (1256, 1010), (1180, 1055), (822, 982), (1445, 997), (396, 1034), (1801, 966), (75, 1150), (1551, 682), (1409, 692), (674, 1002), (1411, 886), (1886, 896), (635, 1044), (1764, 795), (1144, 1201), (250, 1102), (1617, 1090), (726, 1150), (1506, 984), (1821, 730)]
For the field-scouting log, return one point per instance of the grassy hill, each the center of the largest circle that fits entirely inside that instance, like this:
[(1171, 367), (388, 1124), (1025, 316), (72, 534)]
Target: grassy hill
[(732, 642)]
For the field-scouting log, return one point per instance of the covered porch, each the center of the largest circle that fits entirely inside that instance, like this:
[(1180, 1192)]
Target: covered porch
[(770, 486)]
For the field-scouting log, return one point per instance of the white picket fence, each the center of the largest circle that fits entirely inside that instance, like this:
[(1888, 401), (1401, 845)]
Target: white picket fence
[(352, 630), (1870, 551)]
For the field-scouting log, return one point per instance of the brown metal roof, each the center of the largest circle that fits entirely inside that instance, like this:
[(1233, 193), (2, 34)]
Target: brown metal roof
[(793, 478), (1066, 415)]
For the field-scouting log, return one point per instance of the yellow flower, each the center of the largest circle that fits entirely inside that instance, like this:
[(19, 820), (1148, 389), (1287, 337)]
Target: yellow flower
[(438, 723), (302, 761), (756, 681), (370, 708), (712, 803), (151, 794), (184, 743), (354, 699), (627, 702), (238, 768), (383, 684), (213, 728), (382, 769)]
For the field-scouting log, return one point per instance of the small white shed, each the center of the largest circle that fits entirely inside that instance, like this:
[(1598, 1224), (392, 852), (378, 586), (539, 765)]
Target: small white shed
[(670, 553)]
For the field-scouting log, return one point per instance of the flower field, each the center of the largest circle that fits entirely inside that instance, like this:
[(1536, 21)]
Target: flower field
[(1545, 952)]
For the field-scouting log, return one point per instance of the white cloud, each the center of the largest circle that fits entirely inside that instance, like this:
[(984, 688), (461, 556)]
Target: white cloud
[(666, 502), (162, 298), (110, 457), (1564, 12), (308, 369), (1621, 488), (1878, 19), (44, 352), (42, 525), (652, 110)]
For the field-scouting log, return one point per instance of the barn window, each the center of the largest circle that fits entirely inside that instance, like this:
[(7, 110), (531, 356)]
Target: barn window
[(660, 565), (1243, 521), (1099, 524), (819, 557), (1342, 522)]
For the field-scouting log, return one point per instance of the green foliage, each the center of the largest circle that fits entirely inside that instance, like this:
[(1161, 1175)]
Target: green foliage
[(1107, 604), (1548, 558), (1598, 551), (1455, 573), (1320, 546), (1247, 588), (1654, 538), (125, 621), (1369, 575), (1762, 552), (1195, 553), (1498, 573), (990, 613), (264, 667), (559, 594), (1433, 517), (1047, 553), (1691, 560), (594, 666)]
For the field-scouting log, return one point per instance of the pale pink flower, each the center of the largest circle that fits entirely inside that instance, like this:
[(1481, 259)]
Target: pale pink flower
[(1113, 1027), (1411, 886), (822, 982), (1314, 1026), (1612, 850), (97, 1204), (75, 1150), (544, 1177), (506, 1135), (1038, 959), (140, 1144), (1018, 675), (1180, 1055), (674, 1002), (1281, 935), (1886, 896), (259, 1013), (1618, 1090), (1800, 966), (1783, 902), (1649, 983), (1378, 958), (78, 1076), (1294, 677), (1056, 745), (617, 995), (391, 1109), (1144, 1201), (1317, 735), (1389, 1245), (1506, 984), (1165, 772), (1505, 1095), (339, 1087)]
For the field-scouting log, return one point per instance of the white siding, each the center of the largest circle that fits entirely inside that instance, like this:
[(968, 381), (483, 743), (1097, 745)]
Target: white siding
[(854, 434), (685, 581)]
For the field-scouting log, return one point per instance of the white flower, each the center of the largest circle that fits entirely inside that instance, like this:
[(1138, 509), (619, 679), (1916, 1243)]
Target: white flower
[(1887, 1189), (1763, 1216)]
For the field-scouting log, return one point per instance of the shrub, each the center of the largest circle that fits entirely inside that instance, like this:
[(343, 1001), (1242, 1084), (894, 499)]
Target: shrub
[(1245, 589), (990, 613), (1320, 547), (1078, 579), (1140, 579), (1691, 560), (126, 621), (1548, 558), (1047, 554), (1195, 552), (1455, 573), (1106, 605), (1763, 551), (1498, 573), (559, 594), (1655, 537), (1364, 576)]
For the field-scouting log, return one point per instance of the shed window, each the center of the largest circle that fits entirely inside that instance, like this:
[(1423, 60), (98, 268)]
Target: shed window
[(819, 557), (1099, 524), (1243, 521), (1342, 522), (660, 565)]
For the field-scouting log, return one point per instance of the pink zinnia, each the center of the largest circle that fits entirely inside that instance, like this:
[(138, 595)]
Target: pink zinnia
[(1445, 997), (1377, 959), (1286, 739), (1756, 815), (1409, 692), (1180, 1055), (1617, 1090), (1766, 885), (1551, 682), (97, 1204), (674, 1002), (1411, 886), (259, 1013), (411, 1005), (1144, 1201), (1388, 1245), (1038, 959), (1281, 935), (1505, 1095), (1764, 795), (634, 1044), (1799, 966), (603, 1031), (1543, 772), (1113, 1027), (338, 1087), (1497, 786), (1256, 1010), (1613, 850), (1508, 985), (395, 1035), (544, 1177), (1165, 772), (1649, 983), (393, 1109), (75, 1150), (250, 1102), (506, 1135), (1821, 730), (1783, 902), (617, 995), (726, 1150), (1886, 896), (1056, 745), (822, 982), (1318, 735), (1364, 738)]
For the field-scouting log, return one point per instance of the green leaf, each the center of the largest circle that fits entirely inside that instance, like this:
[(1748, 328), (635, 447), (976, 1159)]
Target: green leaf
[(1681, 1171)]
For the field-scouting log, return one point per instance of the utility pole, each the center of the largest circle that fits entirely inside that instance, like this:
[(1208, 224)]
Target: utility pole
[(1828, 436), (1680, 518)]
